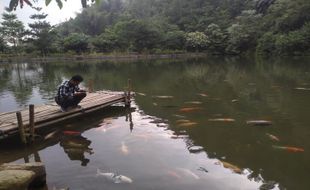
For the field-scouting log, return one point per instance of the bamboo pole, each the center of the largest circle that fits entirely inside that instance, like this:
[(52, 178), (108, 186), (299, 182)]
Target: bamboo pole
[(127, 94), (21, 127), (31, 121)]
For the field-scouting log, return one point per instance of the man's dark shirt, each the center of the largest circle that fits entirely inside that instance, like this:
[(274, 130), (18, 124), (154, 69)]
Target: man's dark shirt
[(66, 90)]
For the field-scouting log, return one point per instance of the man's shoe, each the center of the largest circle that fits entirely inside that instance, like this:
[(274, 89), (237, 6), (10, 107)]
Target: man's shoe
[(62, 109)]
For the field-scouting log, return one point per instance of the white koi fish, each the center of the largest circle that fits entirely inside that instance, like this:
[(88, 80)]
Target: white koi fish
[(124, 148), (114, 177), (188, 172)]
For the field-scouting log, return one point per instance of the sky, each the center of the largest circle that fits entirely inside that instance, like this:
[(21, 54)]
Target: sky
[(55, 15)]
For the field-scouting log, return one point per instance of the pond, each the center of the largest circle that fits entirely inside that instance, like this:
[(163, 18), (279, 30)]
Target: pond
[(190, 127)]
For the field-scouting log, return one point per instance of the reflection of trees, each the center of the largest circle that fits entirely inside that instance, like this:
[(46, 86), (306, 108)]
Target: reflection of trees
[(23, 79), (5, 76)]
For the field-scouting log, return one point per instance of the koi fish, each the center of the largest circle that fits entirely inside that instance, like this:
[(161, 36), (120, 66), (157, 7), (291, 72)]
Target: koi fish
[(155, 104), (178, 116), (259, 122), (71, 132), (300, 88), (163, 97), (114, 177), (183, 121), (187, 124), (188, 172), (51, 135), (202, 94), (289, 148), (232, 167), (124, 148), (193, 102), (272, 137), (222, 119), (190, 109), (234, 100), (141, 94), (174, 174)]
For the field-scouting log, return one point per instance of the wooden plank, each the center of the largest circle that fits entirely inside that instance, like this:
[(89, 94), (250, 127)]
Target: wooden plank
[(10, 115), (50, 113), (12, 132), (48, 117), (46, 110)]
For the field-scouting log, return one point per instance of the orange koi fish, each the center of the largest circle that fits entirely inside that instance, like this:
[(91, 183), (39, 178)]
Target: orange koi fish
[(232, 167), (272, 137), (71, 132), (289, 148), (223, 119), (190, 109), (187, 124)]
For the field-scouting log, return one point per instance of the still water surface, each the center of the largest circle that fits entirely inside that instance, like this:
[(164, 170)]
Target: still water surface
[(161, 145)]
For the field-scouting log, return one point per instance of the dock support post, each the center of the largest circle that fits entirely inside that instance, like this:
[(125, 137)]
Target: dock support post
[(90, 86), (127, 94), (21, 127), (31, 121)]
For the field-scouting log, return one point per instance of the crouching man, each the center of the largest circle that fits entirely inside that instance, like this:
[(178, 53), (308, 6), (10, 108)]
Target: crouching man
[(69, 94)]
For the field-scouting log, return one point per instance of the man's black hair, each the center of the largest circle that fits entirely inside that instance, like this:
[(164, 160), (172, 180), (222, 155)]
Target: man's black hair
[(77, 78)]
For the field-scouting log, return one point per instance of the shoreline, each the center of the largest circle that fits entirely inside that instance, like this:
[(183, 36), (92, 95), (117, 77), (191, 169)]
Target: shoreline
[(63, 57)]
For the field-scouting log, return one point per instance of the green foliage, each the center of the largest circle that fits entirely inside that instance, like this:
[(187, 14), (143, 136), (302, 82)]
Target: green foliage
[(2, 45), (174, 40), (12, 30), (216, 39), (77, 42), (137, 35), (266, 44), (41, 36), (196, 41), (294, 42), (229, 26), (106, 42)]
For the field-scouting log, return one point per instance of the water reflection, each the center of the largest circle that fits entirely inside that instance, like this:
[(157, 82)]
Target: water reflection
[(76, 147), (219, 94)]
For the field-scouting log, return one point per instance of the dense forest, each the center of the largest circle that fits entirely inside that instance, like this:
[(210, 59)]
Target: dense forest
[(269, 27)]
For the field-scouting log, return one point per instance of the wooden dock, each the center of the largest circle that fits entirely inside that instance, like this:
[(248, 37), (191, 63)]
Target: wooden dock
[(48, 114)]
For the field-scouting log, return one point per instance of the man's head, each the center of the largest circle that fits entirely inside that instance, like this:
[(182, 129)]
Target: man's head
[(76, 79)]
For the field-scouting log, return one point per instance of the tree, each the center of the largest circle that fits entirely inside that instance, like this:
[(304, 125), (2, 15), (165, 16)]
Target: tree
[(12, 30), (106, 41), (216, 39), (41, 33), (2, 45), (137, 35), (77, 42), (14, 3), (196, 41)]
